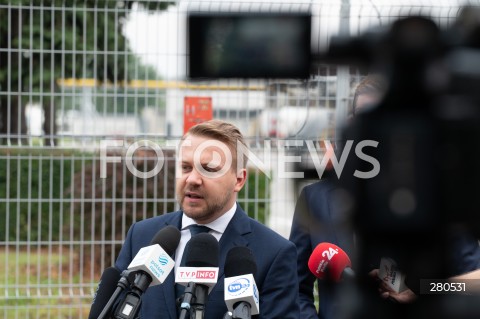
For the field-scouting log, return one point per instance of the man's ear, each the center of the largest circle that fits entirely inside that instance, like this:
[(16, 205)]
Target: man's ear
[(241, 179)]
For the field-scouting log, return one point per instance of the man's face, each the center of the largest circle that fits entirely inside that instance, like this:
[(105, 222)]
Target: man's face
[(207, 182), (366, 101)]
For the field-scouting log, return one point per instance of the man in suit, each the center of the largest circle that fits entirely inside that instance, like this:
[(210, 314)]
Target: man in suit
[(316, 220), (208, 180)]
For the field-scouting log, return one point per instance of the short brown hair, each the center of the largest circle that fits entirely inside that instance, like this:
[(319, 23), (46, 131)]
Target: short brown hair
[(370, 84), (224, 132)]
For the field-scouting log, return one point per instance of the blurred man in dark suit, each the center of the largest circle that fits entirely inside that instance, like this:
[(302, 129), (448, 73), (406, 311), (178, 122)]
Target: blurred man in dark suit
[(315, 220)]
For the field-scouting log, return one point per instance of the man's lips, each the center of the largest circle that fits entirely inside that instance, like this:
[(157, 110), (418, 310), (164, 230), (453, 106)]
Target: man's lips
[(193, 195)]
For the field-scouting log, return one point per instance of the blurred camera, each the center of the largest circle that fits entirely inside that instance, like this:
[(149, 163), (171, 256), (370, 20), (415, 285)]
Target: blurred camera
[(249, 45)]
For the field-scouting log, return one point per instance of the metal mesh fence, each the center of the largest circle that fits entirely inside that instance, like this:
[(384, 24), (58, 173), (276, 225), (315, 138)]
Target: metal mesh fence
[(79, 75)]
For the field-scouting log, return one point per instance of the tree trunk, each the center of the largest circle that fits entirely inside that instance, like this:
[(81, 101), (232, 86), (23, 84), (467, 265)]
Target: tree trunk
[(18, 124), (13, 122), (49, 125), (3, 119), (13, 125)]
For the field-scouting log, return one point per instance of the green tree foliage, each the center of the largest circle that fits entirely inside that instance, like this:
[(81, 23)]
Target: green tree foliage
[(44, 40)]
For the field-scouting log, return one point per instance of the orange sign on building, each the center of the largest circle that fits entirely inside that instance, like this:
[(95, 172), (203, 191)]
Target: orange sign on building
[(196, 109)]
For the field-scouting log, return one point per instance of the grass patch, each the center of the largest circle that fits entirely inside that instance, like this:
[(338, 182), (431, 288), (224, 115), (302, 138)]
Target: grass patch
[(26, 265), (37, 284)]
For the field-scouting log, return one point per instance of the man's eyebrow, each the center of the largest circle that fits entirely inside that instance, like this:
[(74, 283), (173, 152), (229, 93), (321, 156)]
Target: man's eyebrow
[(203, 164), (209, 164)]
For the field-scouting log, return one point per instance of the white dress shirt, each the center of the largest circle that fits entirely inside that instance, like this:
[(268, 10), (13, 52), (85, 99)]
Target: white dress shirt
[(217, 227)]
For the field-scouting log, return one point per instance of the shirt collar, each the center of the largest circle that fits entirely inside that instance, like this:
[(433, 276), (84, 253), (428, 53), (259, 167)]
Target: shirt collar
[(219, 225)]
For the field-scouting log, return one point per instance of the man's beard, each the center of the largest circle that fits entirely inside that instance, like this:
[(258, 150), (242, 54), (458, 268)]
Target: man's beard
[(210, 210)]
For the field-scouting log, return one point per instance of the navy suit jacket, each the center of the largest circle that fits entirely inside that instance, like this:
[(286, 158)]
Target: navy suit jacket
[(316, 220), (276, 277)]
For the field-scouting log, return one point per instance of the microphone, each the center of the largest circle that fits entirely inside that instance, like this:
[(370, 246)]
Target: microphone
[(241, 293), (154, 261), (151, 267), (105, 289), (200, 273), (330, 262), (122, 284)]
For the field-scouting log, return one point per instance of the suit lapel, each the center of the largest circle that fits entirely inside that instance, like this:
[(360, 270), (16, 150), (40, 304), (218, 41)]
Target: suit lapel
[(234, 236)]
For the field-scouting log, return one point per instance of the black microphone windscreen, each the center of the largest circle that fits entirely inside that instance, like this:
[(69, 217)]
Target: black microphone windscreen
[(106, 288), (168, 238), (201, 251), (240, 261)]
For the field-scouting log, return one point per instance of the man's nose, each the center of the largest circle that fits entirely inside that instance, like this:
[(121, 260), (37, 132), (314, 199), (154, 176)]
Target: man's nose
[(194, 178)]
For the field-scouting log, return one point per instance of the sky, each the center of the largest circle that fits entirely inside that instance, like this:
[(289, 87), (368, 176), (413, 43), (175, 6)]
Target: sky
[(159, 38), (156, 38)]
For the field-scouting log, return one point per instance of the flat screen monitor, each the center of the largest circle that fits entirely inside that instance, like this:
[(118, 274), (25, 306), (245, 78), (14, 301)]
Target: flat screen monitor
[(249, 45)]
